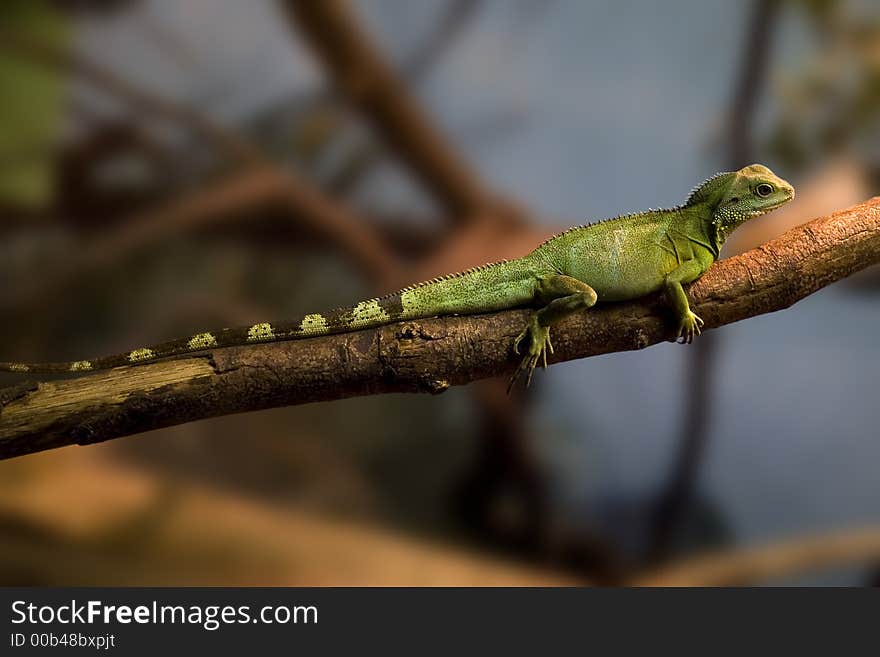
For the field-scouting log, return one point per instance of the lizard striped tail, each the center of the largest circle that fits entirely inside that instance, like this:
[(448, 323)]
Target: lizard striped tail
[(366, 314), (456, 293)]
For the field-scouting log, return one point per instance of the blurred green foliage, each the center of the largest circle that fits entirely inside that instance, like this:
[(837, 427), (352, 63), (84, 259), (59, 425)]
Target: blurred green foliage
[(30, 106), (831, 104)]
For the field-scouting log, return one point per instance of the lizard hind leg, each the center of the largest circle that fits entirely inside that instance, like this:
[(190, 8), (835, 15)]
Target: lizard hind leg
[(563, 295)]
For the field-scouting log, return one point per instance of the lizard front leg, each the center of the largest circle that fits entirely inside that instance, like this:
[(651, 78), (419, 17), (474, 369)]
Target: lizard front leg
[(689, 324), (563, 295)]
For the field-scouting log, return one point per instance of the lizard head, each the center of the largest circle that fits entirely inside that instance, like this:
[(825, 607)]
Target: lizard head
[(753, 191), (738, 196)]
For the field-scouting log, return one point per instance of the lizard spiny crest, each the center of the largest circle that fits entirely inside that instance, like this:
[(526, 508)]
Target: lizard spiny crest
[(711, 188), (445, 277)]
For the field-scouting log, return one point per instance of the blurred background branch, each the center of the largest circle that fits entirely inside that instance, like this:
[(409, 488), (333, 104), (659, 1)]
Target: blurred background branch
[(360, 72), (67, 60), (743, 567)]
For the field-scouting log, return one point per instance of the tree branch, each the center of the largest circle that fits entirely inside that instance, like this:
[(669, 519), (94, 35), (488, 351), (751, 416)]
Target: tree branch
[(419, 356)]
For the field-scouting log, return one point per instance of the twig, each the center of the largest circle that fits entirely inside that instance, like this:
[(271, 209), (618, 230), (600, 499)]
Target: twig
[(420, 356), (362, 74), (457, 15)]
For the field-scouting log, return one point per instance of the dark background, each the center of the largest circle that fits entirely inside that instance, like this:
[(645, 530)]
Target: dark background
[(117, 118)]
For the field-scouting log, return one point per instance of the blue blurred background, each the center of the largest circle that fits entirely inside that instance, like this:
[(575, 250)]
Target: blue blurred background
[(570, 110)]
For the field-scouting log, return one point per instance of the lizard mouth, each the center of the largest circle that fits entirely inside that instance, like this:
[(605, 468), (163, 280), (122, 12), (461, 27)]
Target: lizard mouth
[(770, 208)]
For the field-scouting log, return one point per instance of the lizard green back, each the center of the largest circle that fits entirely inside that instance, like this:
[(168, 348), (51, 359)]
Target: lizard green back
[(617, 259)]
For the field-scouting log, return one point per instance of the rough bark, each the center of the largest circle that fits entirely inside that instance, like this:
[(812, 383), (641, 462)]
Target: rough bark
[(419, 356)]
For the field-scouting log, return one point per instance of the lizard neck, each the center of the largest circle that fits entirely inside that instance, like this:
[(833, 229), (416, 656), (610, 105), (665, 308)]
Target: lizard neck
[(724, 221), (698, 222), (717, 236)]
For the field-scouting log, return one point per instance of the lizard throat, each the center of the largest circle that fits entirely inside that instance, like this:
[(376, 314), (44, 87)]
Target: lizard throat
[(725, 222)]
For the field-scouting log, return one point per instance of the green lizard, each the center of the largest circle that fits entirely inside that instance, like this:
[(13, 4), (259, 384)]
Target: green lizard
[(613, 260)]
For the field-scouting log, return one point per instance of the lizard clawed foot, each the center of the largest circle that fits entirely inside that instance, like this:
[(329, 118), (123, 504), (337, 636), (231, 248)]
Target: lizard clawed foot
[(688, 327), (539, 345)]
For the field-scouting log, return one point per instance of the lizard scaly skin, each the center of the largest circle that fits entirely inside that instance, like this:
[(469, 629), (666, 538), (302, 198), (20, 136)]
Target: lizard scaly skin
[(614, 260)]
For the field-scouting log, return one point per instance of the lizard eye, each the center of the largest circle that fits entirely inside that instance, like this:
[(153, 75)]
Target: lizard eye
[(764, 190)]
